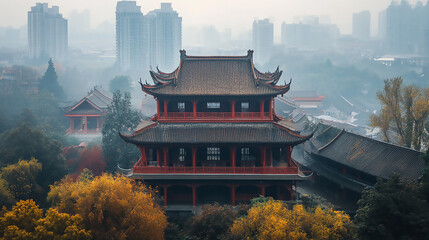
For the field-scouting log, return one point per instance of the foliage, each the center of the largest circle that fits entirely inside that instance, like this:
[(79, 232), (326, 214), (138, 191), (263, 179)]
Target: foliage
[(120, 83), (22, 177), (393, 209), (113, 207), (26, 222), (79, 158), (6, 197), (213, 222), (120, 117), (405, 110), (273, 220), (49, 81), (425, 177), (24, 142)]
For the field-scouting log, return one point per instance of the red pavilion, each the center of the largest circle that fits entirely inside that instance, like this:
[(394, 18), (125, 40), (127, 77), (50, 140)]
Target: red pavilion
[(215, 136)]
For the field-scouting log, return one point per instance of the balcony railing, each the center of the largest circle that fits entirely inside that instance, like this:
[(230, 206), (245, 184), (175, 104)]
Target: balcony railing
[(215, 116), (215, 170)]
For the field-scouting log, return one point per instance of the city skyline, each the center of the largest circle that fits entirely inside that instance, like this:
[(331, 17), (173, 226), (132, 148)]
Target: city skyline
[(238, 16)]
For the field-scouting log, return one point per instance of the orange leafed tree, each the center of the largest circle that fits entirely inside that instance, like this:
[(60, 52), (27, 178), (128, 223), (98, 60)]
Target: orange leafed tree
[(113, 207), (273, 220)]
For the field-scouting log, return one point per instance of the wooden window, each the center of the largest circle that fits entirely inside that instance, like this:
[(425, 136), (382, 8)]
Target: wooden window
[(213, 154), (182, 154), (181, 106), (245, 106), (213, 105), (245, 154)]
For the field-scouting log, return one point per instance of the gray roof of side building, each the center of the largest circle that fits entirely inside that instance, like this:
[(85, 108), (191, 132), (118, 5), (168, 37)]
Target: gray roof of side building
[(377, 158)]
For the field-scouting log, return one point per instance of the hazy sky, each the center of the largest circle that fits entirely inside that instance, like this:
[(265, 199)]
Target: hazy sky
[(235, 14)]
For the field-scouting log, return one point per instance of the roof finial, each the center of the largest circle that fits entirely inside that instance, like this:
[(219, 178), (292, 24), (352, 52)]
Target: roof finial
[(182, 53), (250, 53)]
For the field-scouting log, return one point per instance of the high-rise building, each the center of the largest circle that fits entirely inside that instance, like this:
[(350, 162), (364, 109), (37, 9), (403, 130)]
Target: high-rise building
[(131, 36), (263, 40), (361, 25), (165, 36), (405, 27), (309, 34), (47, 33)]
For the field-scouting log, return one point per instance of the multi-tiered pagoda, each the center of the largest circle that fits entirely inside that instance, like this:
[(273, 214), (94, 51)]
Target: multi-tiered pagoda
[(215, 136)]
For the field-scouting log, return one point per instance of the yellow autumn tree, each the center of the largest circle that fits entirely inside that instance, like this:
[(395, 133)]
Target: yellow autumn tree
[(22, 179), (404, 111), (112, 206), (26, 222), (273, 220)]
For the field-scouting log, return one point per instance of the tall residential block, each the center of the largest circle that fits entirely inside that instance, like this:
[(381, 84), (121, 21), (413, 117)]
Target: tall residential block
[(361, 25), (47, 33), (165, 37), (263, 40), (131, 36)]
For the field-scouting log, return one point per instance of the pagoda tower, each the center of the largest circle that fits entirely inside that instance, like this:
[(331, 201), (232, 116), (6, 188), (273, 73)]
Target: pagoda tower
[(215, 136)]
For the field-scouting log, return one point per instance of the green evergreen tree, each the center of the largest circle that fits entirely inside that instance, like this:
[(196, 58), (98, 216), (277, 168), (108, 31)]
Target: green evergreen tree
[(120, 117), (49, 81)]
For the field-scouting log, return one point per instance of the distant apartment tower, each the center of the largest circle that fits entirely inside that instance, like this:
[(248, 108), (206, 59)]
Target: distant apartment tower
[(361, 25), (131, 36), (165, 37), (308, 34), (47, 33), (263, 40)]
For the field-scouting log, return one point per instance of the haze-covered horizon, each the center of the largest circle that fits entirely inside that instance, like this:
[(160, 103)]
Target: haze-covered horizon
[(236, 15)]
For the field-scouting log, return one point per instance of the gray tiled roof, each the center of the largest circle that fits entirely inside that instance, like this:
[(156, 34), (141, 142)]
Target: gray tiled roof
[(374, 157), (194, 133), (216, 76)]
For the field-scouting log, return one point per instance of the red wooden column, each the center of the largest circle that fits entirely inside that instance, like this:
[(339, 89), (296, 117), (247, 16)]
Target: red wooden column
[(233, 108), (86, 123), (194, 195), (194, 108), (165, 194), (263, 157), (233, 194), (289, 155), (98, 123), (157, 109), (233, 150), (165, 151), (271, 108), (143, 155), (165, 108), (262, 108), (263, 190), (194, 159)]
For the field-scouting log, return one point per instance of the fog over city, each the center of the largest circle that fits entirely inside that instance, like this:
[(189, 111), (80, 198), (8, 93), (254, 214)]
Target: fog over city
[(236, 15)]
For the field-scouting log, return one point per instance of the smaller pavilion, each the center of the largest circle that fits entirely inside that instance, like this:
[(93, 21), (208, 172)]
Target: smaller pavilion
[(87, 115)]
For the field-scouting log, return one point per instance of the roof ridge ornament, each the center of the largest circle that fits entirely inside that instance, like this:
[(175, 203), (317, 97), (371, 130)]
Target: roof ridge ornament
[(250, 53), (182, 53)]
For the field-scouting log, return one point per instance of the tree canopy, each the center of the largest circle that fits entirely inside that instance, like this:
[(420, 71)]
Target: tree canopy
[(22, 179), (24, 142), (120, 117), (393, 209), (273, 220), (112, 207), (405, 111), (120, 83), (26, 222), (49, 81)]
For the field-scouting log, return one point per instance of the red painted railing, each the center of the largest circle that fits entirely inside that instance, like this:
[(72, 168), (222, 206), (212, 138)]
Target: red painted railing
[(216, 170), (214, 115)]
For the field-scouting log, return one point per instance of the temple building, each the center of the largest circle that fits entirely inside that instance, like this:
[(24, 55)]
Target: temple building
[(215, 136), (87, 115)]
